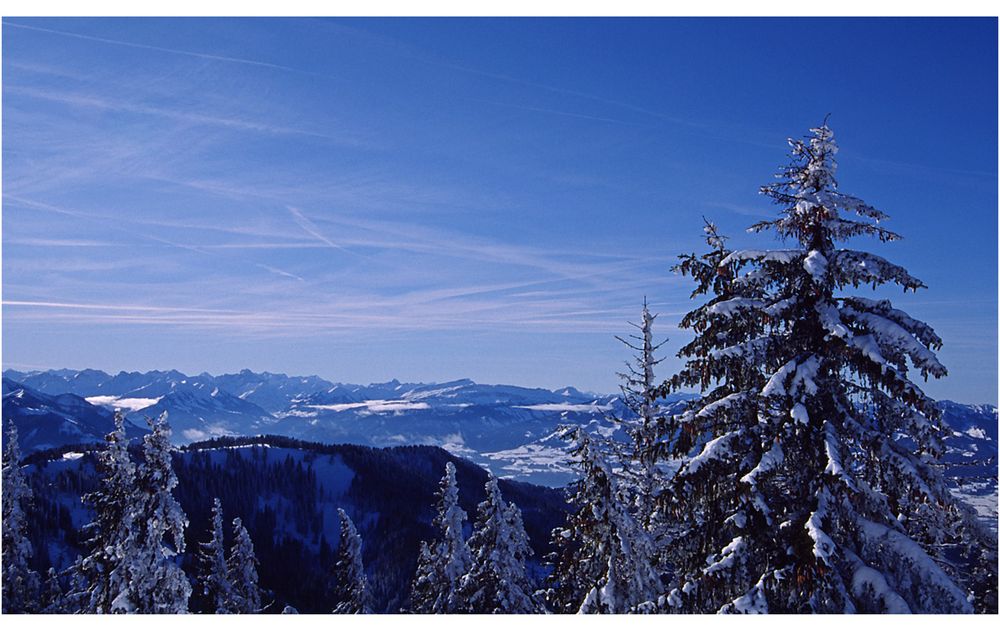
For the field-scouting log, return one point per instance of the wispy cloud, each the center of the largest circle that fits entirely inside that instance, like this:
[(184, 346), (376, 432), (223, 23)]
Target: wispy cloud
[(108, 307), (310, 228), (187, 116), (60, 243), (280, 272), (302, 324), (172, 51)]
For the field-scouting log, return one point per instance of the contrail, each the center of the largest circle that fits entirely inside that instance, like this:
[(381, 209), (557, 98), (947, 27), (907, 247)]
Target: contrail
[(174, 51)]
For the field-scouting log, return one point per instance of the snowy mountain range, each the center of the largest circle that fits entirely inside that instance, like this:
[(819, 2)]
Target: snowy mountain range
[(508, 429)]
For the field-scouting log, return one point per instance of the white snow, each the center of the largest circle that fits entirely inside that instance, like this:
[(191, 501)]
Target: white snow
[(120, 403), (722, 404), (781, 256), (592, 408), (799, 413), (829, 317), (376, 406), (727, 557), (833, 464), (815, 264), (930, 572), (869, 578), (893, 336), (869, 348), (768, 461), (752, 602), (713, 450), (823, 545), (727, 308), (775, 385)]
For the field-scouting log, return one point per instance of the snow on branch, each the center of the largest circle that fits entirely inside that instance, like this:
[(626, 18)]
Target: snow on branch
[(780, 256), (851, 267), (769, 461), (891, 336), (716, 449), (929, 581)]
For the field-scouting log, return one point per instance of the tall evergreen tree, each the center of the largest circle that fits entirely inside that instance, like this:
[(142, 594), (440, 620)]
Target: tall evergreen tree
[(497, 582), (812, 485), (605, 559), (243, 571), (443, 563), (351, 583), (20, 583), (104, 573), (214, 578), (157, 584)]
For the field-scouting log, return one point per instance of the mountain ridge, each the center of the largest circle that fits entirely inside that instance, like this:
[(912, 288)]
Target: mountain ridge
[(505, 428)]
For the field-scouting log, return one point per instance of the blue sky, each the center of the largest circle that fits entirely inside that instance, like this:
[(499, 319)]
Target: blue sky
[(432, 199)]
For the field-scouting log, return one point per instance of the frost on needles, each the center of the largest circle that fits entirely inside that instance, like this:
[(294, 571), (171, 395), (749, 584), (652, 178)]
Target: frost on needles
[(20, 583), (131, 567)]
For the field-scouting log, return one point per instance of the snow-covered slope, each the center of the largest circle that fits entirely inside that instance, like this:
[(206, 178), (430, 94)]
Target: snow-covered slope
[(45, 421), (971, 455), (198, 411)]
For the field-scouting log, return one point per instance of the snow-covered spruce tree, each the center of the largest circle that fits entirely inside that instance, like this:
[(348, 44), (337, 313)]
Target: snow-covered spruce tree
[(813, 486), (20, 583), (156, 582), (605, 559), (53, 599), (443, 563), (350, 581), (427, 582), (640, 394), (214, 575), (497, 582), (76, 598), (104, 572), (243, 571)]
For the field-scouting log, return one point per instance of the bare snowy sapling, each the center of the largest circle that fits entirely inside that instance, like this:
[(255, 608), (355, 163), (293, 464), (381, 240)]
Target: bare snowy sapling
[(214, 575), (640, 393)]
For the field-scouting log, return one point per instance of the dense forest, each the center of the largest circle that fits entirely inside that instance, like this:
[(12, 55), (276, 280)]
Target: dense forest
[(271, 484)]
